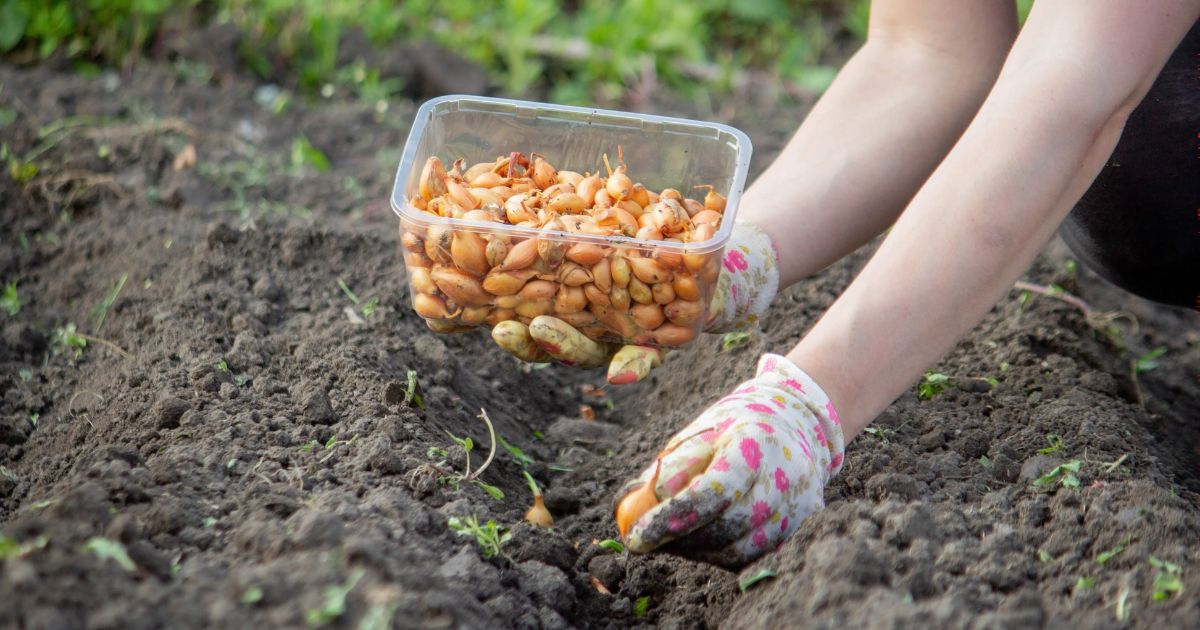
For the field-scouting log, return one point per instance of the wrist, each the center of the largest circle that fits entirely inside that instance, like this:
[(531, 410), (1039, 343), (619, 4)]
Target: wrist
[(823, 438), (748, 282)]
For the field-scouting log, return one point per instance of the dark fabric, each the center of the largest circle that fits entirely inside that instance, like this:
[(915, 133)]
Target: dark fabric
[(1138, 225)]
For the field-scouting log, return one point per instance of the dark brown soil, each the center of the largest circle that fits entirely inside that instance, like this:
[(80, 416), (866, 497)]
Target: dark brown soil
[(254, 450)]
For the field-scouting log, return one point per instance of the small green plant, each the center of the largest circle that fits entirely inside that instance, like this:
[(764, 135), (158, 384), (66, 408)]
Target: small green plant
[(100, 311), (106, 549), (455, 479), (334, 605), (612, 545), (412, 393), (1084, 583), (985, 461), (932, 384), (518, 456), (1045, 556), (309, 446), (1168, 582), (641, 606), (747, 583), (25, 374), (10, 548), (10, 300), (1149, 361), (305, 154), (1061, 475), (489, 536), (252, 596), (1104, 557), (1056, 445), (367, 308), (734, 339), (67, 339), (877, 432), (222, 366)]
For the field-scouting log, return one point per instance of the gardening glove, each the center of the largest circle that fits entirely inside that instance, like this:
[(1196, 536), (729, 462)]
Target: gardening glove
[(737, 481), (748, 281)]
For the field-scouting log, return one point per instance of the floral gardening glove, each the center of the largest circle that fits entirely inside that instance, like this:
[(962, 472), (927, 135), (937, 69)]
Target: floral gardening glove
[(746, 472), (748, 282)]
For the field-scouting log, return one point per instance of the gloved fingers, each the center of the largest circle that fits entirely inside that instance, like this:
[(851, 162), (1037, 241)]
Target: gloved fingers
[(631, 364), (702, 501), (565, 343), (715, 546), (514, 337)]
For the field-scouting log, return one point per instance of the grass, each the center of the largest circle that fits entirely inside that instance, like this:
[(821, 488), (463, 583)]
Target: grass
[(591, 50), (1062, 475), (489, 536), (334, 604)]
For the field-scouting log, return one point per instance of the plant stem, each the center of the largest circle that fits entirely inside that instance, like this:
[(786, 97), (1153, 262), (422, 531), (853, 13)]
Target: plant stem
[(491, 452)]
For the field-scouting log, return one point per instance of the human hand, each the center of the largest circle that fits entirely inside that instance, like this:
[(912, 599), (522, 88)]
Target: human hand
[(747, 283), (739, 480)]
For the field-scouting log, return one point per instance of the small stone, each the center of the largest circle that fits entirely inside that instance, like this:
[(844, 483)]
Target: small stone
[(313, 528), (317, 408), (168, 410)]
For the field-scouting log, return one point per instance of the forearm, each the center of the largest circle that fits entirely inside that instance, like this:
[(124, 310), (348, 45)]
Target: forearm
[(1036, 145), (891, 115)]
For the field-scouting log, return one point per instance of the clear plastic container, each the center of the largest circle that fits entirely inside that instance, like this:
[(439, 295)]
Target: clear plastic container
[(659, 152)]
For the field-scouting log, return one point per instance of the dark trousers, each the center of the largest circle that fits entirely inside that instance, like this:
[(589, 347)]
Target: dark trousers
[(1138, 226)]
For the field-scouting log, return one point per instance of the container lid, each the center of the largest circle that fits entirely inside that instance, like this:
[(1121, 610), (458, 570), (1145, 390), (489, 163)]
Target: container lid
[(582, 115)]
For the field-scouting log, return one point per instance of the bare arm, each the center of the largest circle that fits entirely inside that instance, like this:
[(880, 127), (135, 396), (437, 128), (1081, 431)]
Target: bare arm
[(891, 115), (1041, 137)]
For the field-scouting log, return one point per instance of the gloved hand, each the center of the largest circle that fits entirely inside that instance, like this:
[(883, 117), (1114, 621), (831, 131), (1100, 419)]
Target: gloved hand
[(740, 488), (748, 282)]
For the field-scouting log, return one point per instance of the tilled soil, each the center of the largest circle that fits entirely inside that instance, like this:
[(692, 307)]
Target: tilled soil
[(241, 449)]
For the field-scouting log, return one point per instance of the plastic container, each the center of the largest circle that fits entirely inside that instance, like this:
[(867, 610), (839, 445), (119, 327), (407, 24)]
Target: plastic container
[(660, 153)]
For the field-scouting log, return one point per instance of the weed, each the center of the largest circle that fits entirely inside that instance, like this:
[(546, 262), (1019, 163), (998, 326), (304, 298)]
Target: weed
[(1149, 360), (734, 339), (309, 446), (412, 393), (252, 596), (34, 418), (25, 374), (100, 311), (612, 545), (877, 432), (1168, 582), (985, 461), (305, 154), (378, 617), (1045, 556), (1104, 557), (641, 606), (1063, 475), (762, 574), (10, 548), (10, 300), (106, 549), (932, 384), (68, 339), (489, 536), (334, 605), (1084, 583), (1056, 445), (368, 308), (519, 456), (455, 479)]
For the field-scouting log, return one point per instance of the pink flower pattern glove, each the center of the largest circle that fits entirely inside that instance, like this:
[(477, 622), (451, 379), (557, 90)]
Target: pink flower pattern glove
[(748, 282), (748, 471)]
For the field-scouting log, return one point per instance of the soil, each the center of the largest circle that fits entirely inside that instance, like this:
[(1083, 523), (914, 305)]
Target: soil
[(243, 434)]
